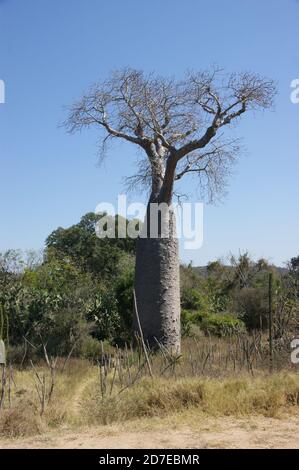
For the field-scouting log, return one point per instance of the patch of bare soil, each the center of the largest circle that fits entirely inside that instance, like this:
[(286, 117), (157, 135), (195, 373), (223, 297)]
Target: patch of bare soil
[(227, 432)]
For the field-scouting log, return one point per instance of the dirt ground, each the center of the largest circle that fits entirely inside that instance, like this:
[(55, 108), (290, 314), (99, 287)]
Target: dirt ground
[(227, 432)]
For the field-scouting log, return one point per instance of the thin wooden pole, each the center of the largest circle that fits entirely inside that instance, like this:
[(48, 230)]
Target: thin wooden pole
[(270, 321), (141, 335), (3, 385)]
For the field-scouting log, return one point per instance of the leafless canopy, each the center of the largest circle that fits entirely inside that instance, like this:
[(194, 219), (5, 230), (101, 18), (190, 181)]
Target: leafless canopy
[(177, 124)]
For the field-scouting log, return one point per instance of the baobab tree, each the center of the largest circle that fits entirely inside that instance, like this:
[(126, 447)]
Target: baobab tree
[(178, 125)]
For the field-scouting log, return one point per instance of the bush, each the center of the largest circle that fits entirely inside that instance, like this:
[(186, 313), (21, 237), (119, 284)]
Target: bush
[(214, 324), (22, 420), (221, 325), (252, 306), (90, 348), (192, 299), (102, 310), (185, 323)]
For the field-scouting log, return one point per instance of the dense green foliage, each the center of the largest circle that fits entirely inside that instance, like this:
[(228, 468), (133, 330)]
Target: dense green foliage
[(80, 292), (222, 299)]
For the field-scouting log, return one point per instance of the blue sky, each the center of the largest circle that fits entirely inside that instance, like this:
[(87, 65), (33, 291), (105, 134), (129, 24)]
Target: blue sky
[(50, 51)]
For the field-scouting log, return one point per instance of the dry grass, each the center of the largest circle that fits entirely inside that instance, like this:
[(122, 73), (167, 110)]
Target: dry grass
[(265, 395), (207, 380), (22, 416)]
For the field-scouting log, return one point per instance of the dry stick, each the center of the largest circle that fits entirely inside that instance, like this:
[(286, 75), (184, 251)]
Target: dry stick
[(119, 366), (51, 363), (101, 381), (165, 361), (43, 395), (68, 357), (128, 365), (141, 336), (270, 322), (52, 369), (113, 380), (41, 391), (26, 341), (3, 385), (170, 360), (134, 379), (25, 352), (205, 361), (10, 379), (132, 353)]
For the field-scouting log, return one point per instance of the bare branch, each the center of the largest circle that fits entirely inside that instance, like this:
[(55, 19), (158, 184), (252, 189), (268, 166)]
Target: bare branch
[(175, 123)]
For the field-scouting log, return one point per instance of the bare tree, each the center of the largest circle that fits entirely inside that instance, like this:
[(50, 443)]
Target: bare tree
[(178, 125)]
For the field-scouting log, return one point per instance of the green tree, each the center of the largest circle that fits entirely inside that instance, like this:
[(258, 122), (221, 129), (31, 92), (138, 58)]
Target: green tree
[(80, 245)]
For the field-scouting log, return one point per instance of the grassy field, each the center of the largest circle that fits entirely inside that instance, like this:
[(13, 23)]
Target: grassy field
[(124, 387)]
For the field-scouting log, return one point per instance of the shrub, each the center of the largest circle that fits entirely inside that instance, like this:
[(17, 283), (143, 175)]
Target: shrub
[(185, 323), (102, 310), (22, 420), (192, 299), (221, 325), (90, 348), (252, 305)]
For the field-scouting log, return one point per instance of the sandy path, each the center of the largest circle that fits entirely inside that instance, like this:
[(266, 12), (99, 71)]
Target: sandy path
[(252, 432)]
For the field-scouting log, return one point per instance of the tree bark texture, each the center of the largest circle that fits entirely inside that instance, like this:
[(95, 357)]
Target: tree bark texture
[(157, 288)]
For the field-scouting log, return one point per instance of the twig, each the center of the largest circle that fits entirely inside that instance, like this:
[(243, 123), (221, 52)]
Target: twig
[(141, 335)]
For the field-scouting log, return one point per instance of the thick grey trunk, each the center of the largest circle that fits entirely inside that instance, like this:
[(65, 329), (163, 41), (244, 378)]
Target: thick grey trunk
[(157, 288)]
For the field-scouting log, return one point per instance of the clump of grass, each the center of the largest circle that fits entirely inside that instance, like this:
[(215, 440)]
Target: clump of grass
[(22, 420), (266, 395)]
